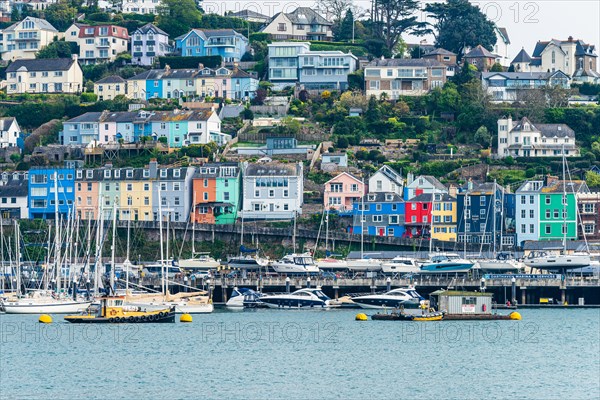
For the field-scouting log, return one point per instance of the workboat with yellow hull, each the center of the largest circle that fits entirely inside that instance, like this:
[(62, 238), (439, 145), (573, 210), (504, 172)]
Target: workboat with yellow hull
[(112, 310), (402, 316)]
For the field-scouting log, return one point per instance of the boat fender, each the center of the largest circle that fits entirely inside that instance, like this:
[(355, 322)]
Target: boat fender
[(161, 314), (111, 320), (484, 308), (143, 318), (129, 320)]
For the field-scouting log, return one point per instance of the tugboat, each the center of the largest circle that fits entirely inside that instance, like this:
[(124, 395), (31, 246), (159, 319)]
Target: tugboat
[(111, 310)]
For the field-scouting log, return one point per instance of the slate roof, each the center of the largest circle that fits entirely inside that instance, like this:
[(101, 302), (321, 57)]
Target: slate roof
[(5, 123), (566, 186), (504, 34), (441, 52), (522, 57), (248, 14), (46, 64), (546, 130), (432, 180), (306, 16), (41, 23), (207, 33), (111, 79), (380, 197), (479, 52), (150, 27), (14, 188), (151, 74), (271, 169)]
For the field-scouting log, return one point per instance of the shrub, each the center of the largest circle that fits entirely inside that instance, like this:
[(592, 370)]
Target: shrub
[(87, 97)]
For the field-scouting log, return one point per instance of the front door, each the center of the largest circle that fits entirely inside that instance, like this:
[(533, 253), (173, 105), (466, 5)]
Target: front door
[(380, 231)]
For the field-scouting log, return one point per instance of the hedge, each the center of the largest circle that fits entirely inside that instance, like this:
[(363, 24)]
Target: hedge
[(190, 62)]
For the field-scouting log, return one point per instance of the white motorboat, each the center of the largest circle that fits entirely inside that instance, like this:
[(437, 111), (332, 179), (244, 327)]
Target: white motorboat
[(199, 262), (399, 265), (244, 298), (248, 262), (503, 263), (296, 264), (364, 264), (331, 264), (445, 263), (303, 298), (184, 303), (557, 262), (402, 297)]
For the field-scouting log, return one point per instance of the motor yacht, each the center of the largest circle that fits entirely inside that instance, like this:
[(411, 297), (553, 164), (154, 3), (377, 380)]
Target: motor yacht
[(303, 298), (399, 265), (244, 298), (401, 297), (296, 264), (446, 263)]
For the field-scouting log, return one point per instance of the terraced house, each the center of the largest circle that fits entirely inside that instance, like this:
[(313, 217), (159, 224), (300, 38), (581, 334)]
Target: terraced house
[(216, 193), (558, 209), (227, 43), (403, 77), (382, 214), (178, 127), (46, 186)]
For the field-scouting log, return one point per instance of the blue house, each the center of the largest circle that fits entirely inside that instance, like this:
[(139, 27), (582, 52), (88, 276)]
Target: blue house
[(383, 215), (227, 43), (476, 214), (42, 194)]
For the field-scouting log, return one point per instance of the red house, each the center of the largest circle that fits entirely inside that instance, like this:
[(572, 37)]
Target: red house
[(418, 215)]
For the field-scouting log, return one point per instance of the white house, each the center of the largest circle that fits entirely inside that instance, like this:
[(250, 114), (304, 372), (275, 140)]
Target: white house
[(515, 86), (301, 24), (9, 132), (101, 43), (524, 139), (272, 190), (423, 184), (51, 75), (140, 6), (386, 180), (23, 39), (501, 47), (13, 195), (149, 42)]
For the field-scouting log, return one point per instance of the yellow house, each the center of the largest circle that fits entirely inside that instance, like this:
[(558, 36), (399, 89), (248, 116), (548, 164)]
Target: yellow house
[(136, 196), (444, 218), (110, 87)]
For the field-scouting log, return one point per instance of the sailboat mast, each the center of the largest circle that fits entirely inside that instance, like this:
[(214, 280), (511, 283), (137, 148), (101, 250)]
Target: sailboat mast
[(327, 232), (465, 219), (2, 272), (112, 246), (56, 234), (564, 203), (431, 223), (128, 263), (362, 224), (99, 229), (194, 228), (162, 254), (294, 235), (18, 256), (494, 218)]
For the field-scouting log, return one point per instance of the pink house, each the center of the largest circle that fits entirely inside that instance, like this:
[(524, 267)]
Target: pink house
[(342, 191)]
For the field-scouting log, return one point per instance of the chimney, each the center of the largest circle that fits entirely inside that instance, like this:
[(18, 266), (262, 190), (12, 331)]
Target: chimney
[(452, 190), (75, 57), (167, 68), (235, 67), (570, 38), (153, 167), (550, 180), (470, 184), (200, 66)]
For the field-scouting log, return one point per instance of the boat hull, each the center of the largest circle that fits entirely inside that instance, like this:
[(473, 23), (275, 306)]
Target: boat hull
[(559, 262), (180, 307), (377, 303), (163, 317), (49, 308), (364, 265)]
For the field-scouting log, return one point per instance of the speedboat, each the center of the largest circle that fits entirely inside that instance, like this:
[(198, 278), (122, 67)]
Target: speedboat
[(396, 298), (446, 263), (201, 261), (247, 262), (39, 302), (399, 265), (244, 298), (113, 310), (296, 264), (364, 264), (303, 298), (557, 262)]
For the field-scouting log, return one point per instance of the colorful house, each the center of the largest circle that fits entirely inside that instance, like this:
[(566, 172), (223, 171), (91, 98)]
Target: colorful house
[(171, 189), (558, 213), (444, 218), (342, 192), (227, 43), (382, 214), (386, 179), (216, 193), (422, 184), (42, 194), (418, 216)]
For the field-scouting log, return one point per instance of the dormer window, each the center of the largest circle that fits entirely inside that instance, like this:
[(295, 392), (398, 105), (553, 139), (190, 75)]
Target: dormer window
[(107, 174), (176, 173), (129, 173), (89, 174), (163, 173), (117, 173), (146, 173)]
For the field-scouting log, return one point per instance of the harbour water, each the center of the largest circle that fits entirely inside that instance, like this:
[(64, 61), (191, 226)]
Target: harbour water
[(550, 354)]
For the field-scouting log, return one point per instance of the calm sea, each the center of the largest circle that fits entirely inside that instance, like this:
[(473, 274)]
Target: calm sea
[(550, 354)]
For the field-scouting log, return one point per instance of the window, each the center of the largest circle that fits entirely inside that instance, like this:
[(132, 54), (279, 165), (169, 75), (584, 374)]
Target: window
[(548, 229), (523, 228), (531, 200), (531, 228), (522, 199), (482, 201), (257, 193), (523, 213), (394, 219), (547, 199), (548, 214), (531, 213), (377, 218), (281, 27), (374, 85), (589, 228)]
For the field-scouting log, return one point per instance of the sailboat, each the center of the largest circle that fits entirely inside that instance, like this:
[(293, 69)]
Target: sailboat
[(562, 261), (329, 263), (44, 301), (295, 263), (248, 259), (197, 302), (363, 263)]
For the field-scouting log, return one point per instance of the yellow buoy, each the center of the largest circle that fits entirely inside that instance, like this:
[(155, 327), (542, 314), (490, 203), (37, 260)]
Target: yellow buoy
[(361, 317), (515, 315), (45, 319), (185, 318)]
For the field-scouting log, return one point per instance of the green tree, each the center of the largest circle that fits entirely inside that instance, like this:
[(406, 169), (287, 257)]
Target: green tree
[(373, 113), (15, 14), (592, 179), (396, 18), (459, 24), (344, 32), (61, 15), (497, 67), (177, 17), (56, 49), (342, 142), (483, 137)]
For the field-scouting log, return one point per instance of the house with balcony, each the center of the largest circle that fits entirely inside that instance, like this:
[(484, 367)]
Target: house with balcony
[(525, 139), (272, 190), (216, 193), (110, 87), (515, 86), (51, 75), (386, 179), (46, 185), (486, 215), (142, 7), (445, 57), (301, 24), (501, 48), (527, 211), (422, 184), (10, 132), (573, 57), (342, 191), (227, 43), (13, 195), (379, 214), (22, 40), (148, 43), (398, 77), (294, 62), (100, 43)]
